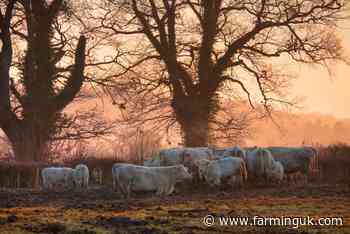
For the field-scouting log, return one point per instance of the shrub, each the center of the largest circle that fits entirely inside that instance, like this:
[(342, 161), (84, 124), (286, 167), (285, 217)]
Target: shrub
[(334, 162)]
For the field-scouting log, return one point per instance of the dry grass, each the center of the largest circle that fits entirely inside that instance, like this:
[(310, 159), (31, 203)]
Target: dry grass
[(97, 210)]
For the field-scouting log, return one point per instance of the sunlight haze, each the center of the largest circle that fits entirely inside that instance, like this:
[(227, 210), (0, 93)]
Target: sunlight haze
[(324, 93)]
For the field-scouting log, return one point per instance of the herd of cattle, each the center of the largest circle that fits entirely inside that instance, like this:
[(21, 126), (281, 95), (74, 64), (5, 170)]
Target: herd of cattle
[(212, 166)]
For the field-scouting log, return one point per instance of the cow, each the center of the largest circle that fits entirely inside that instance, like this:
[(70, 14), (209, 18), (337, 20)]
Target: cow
[(81, 176), (262, 165), (229, 152), (247, 149), (215, 171), (54, 177), (295, 159), (166, 157), (186, 156), (314, 169), (132, 178), (192, 155), (202, 166), (176, 156)]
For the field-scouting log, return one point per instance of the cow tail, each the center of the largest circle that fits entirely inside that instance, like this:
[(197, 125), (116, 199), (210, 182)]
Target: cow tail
[(243, 170), (317, 157), (115, 175), (316, 161), (259, 162), (122, 188)]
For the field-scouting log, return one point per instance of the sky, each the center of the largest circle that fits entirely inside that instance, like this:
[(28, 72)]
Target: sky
[(325, 93)]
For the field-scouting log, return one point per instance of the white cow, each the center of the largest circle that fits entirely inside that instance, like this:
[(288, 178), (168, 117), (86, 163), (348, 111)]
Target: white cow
[(214, 171), (277, 173), (230, 152), (261, 164), (166, 157), (197, 153), (296, 160), (81, 176), (132, 178), (202, 166), (176, 156), (194, 154), (54, 177)]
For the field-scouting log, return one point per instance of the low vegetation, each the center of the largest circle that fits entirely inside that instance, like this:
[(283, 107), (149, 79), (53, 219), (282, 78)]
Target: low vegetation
[(103, 211)]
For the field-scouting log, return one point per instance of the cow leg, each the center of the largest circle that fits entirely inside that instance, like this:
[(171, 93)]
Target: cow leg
[(292, 179), (306, 179), (233, 182), (240, 181), (160, 190), (116, 187), (289, 179), (45, 185), (266, 180), (284, 180), (217, 182), (49, 186), (128, 191), (165, 189), (114, 184), (297, 179), (124, 190), (170, 190)]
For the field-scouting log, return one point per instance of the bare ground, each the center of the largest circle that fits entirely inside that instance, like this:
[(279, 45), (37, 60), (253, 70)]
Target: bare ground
[(100, 210)]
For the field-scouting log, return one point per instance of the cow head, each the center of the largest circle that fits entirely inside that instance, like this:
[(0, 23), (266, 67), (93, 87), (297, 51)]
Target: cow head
[(202, 167), (182, 173)]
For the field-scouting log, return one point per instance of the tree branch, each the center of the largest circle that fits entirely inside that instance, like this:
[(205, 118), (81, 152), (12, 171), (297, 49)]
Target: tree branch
[(75, 82)]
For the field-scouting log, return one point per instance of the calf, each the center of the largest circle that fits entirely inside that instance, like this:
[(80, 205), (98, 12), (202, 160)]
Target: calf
[(54, 177), (81, 176), (230, 168)]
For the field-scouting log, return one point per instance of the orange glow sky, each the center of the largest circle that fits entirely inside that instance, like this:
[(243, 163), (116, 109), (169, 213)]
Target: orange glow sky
[(324, 93)]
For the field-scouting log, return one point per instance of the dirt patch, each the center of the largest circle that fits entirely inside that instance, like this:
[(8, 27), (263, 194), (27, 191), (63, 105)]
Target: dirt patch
[(100, 210)]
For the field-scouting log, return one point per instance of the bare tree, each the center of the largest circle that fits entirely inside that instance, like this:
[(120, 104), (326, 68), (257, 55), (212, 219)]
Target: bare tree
[(35, 87), (200, 46)]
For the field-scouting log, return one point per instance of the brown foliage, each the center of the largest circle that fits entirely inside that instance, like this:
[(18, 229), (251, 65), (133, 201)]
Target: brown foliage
[(334, 162)]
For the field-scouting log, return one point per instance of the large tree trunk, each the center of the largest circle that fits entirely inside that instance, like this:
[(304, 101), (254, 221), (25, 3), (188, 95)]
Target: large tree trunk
[(194, 113), (29, 145), (196, 131), (30, 150)]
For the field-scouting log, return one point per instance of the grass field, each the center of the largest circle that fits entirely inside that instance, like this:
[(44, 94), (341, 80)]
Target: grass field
[(100, 210)]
